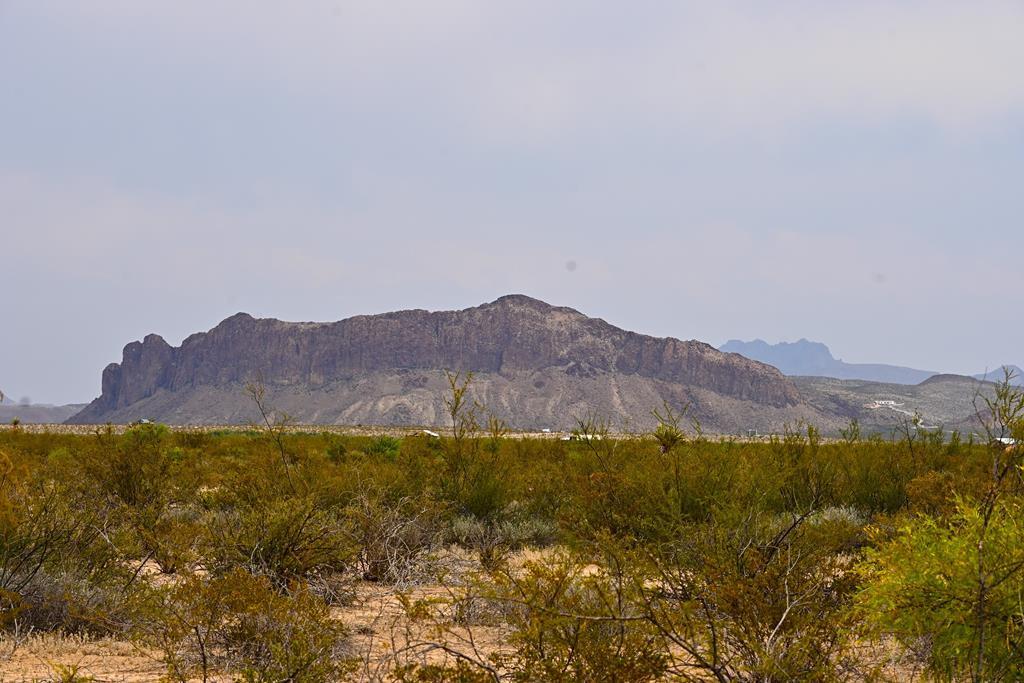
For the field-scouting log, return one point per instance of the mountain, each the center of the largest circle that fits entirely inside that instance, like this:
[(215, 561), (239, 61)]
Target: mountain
[(535, 366), (944, 401), (997, 375), (38, 414), (813, 359)]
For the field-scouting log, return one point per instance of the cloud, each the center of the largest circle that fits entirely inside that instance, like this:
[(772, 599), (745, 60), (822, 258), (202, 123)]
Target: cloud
[(516, 71)]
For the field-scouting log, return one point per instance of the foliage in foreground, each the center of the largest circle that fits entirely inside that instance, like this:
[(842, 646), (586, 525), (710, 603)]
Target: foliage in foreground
[(927, 587), (238, 622), (668, 556)]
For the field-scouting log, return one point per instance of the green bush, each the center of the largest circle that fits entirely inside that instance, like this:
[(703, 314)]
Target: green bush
[(57, 568), (959, 610), (285, 539), (384, 446)]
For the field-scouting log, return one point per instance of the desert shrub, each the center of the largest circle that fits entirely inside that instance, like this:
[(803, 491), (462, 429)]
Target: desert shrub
[(146, 485), (384, 446), (563, 618), (172, 540), (574, 622), (77, 600), (847, 516), (730, 560), (285, 527), (950, 592), (69, 673), (872, 475), (57, 569), (603, 500), (336, 448), (932, 493), (539, 478), (685, 486), (472, 476), (193, 439), (806, 471), (394, 538), (134, 469), (493, 539), (753, 598), (460, 672), (239, 623), (284, 539)]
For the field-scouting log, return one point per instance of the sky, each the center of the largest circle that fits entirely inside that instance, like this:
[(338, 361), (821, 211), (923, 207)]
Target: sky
[(849, 172)]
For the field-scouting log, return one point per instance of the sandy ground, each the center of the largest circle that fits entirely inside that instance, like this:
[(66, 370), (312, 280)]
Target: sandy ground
[(43, 657), (382, 637)]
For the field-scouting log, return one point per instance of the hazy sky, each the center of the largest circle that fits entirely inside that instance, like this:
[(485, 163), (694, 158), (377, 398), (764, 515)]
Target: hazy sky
[(851, 172)]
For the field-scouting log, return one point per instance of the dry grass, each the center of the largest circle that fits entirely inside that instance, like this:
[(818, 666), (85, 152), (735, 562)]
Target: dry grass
[(40, 657)]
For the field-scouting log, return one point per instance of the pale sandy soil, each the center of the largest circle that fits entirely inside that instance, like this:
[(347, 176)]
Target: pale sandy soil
[(382, 637), (40, 658)]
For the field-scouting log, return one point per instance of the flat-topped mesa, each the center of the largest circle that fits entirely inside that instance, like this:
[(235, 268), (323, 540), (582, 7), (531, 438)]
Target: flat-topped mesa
[(509, 337)]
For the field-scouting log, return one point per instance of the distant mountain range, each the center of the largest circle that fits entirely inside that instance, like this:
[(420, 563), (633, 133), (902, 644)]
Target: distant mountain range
[(535, 366), (36, 413), (805, 358), (997, 374)]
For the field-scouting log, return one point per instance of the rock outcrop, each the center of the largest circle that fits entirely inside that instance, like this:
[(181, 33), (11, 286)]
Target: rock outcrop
[(535, 364)]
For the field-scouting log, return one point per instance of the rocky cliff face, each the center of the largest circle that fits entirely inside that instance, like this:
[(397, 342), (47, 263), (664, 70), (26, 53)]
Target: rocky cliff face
[(522, 349)]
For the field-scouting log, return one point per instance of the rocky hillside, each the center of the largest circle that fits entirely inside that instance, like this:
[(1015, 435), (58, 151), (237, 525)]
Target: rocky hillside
[(941, 401), (536, 366)]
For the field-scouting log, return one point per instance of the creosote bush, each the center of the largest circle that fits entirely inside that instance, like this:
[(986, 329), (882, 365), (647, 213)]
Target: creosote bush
[(241, 623)]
